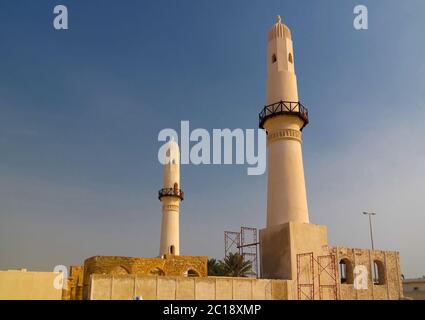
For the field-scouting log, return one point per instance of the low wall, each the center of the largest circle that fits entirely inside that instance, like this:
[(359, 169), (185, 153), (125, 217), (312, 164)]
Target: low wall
[(128, 287), (414, 288), (23, 285)]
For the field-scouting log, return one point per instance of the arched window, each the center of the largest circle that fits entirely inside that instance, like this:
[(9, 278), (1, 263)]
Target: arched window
[(290, 59), (172, 249), (119, 270), (176, 186), (191, 273), (157, 272), (346, 271), (378, 272), (274, 59)]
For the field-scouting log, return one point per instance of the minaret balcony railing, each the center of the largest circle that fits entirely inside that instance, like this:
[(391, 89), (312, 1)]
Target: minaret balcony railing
[(171, 192), (283, 108)]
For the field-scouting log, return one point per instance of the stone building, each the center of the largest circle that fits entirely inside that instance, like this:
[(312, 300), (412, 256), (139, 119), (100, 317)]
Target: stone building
[(169, 265), (414, 288)]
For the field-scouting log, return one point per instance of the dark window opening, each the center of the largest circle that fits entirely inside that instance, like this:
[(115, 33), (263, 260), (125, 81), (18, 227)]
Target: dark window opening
[(378, 272), (346, 271), (191, 273), (290, 59), (274, 59)]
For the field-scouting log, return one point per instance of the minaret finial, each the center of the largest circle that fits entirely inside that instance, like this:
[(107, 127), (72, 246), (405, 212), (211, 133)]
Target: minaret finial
[(278, 19)]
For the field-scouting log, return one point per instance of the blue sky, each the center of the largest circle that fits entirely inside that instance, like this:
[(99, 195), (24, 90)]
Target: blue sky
[(80, 112)]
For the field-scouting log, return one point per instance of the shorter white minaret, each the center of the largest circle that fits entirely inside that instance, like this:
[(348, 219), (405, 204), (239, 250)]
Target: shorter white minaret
[(171, 196)]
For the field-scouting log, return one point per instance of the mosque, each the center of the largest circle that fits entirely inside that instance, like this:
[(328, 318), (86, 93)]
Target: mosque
[(297, 263)]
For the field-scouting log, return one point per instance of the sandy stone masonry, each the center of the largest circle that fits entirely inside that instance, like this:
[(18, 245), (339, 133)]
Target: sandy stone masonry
[(389, 286), (128, 287), (170, 265), (75, 285)]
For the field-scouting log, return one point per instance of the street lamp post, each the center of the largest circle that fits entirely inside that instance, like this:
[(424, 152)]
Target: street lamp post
[(370, 214)]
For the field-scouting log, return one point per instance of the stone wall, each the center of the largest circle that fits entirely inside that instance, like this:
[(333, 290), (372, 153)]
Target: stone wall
[(414, 288), (27, 285), (75, 285), (389, 286), (313, 270), (128, 287), (321, 276), (170, 265), (300, 252)]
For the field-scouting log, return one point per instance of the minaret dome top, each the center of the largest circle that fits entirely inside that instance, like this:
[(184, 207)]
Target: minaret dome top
[(279, 30)]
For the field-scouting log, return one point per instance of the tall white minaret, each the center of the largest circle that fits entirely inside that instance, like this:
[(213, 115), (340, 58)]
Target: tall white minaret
[(283, 118), (171, 196)]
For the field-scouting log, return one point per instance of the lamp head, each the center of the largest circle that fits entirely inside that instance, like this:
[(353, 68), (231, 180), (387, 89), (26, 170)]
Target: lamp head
[(371, 213)]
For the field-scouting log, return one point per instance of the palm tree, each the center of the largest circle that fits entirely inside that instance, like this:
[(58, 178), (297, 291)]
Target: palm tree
[(235, 266), (215, 267)]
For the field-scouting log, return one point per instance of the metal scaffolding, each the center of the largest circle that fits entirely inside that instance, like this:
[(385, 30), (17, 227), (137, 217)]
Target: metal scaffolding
[(232, 242), (249, 248), (305, 276), (246, 244), (325, 278)]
